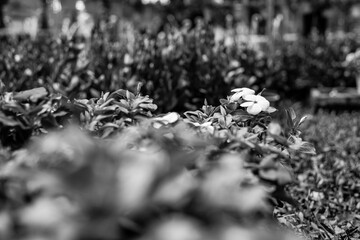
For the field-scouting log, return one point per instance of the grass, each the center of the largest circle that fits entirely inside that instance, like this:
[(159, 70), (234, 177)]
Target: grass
[(327, 185)]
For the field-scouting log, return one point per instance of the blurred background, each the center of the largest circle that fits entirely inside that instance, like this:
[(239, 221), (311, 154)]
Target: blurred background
[(285, 19), (186, 50), (68, 61)]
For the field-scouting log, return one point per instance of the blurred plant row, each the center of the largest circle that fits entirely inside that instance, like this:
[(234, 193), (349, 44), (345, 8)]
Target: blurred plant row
[(178, 67)]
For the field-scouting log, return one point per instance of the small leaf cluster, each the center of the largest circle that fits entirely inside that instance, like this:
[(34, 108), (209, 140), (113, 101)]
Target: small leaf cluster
[(115, 110), (35, 111)]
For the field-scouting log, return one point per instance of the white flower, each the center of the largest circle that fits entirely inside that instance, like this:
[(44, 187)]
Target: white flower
[(166, 119), (171, 117), (240, 92), (350, 57), (354, 56), (28, 72), (17, 58), (128, 59), (357, 53), (255, 104)]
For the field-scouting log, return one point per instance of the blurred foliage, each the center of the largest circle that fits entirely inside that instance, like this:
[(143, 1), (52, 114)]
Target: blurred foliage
[(179, 67), (325, 62), (141, 176)]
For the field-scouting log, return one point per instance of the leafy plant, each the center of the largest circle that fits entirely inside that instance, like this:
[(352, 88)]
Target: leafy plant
[(115, 110), (153, 167)]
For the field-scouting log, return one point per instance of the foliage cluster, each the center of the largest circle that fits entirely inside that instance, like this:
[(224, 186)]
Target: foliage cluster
[(222, 167), (326, 62), (327, 185), (178, 68)]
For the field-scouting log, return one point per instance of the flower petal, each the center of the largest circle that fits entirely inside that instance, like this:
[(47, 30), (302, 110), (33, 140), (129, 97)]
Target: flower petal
[(254, 109), (244, 90), (251, 98), (271, 110), (264, 105), (169, 118), (237, 90), (263, 102), (248, 92), (235, 97), (260, 98), (246, 104)]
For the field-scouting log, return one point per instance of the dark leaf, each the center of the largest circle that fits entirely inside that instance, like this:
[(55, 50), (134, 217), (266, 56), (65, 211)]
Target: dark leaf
[(31, 95)]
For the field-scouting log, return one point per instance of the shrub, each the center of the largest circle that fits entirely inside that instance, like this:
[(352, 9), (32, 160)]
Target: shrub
[(165, 177), (178, 67)]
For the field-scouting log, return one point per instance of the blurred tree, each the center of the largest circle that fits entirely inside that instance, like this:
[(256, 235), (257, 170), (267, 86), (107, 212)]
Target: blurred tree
[(2, 4), (107, 7), (44, 21)]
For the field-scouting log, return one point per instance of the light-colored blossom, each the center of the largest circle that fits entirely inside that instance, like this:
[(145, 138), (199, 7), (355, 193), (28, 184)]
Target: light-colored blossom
[(128, 59), (240, 93), (28, 72), (352, 61), (169, 118), (350, 57), (255, 104)]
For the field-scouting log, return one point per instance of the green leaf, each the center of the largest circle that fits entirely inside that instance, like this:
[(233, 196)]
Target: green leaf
[(222, 111), (130, 95), (205, 102), (137, 101), (297, 144), (232, 106), (112, 125), (138, 88), (32, 94), (240, 115), (7, 121), (192, 115), (14, 107), (301, 121), (149, 106), (105, 96), (228, 120), (122, 93), (291, 116), (121, 109), (224, 101)]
